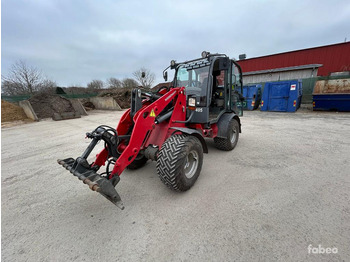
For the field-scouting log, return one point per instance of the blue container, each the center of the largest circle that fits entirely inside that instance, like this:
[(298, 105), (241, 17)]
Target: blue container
[(252, 97), (331, 102), (284, 96)]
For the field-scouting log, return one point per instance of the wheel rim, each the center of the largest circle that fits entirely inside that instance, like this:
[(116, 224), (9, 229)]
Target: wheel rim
[(233, 135), (191, 164)]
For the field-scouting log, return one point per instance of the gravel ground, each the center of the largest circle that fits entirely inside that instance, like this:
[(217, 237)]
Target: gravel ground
[(284, 187)]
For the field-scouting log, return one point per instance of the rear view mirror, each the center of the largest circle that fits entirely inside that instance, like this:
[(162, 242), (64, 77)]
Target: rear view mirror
[(143, 74), (165, 76)]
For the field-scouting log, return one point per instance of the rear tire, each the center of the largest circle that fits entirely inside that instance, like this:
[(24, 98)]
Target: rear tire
[(180, 162), (232, 135), (138, 162)]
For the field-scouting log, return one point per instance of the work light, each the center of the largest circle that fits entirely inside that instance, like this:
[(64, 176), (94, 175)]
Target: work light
[(205, 54)]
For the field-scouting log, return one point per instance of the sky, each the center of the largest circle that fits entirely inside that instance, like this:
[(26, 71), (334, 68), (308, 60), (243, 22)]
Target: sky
[(74, 42)]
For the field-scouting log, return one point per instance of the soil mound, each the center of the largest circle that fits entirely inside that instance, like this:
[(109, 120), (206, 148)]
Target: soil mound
[(87, 105), (122, 96), (11, 112), (45, 105)]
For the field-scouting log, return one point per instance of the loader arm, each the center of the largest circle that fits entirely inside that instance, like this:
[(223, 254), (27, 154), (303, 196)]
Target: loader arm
[(144, 120), (142, 124)]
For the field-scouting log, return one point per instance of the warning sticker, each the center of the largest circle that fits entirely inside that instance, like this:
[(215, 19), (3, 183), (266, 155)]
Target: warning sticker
[(152, 114), (292, 87)]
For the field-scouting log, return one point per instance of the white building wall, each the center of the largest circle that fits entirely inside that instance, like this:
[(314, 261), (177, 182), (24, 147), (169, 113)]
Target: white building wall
[(279, 76)]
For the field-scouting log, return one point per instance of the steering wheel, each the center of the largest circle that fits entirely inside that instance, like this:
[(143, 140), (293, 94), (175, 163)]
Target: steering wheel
[(196, 83)]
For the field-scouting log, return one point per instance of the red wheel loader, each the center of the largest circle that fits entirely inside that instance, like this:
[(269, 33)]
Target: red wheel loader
[(168, 126)]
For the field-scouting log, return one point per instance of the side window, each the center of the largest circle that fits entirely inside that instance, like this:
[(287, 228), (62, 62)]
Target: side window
[(236, 84), (233, 81), (236, 89)]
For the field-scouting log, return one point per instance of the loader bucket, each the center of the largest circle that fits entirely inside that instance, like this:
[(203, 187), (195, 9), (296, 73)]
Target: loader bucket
[(81, 169)]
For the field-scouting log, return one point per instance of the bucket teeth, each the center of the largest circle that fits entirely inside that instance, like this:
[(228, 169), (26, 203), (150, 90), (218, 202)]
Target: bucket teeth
[(97, 183)]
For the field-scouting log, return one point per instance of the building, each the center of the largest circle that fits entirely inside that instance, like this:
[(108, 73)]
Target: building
[(306, 64), (333, 58)]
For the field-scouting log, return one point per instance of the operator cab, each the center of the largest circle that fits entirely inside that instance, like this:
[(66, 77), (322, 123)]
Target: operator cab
[(213, 86)]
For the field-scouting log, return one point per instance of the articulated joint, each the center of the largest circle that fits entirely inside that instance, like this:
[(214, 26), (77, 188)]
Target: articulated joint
[(151, 152)]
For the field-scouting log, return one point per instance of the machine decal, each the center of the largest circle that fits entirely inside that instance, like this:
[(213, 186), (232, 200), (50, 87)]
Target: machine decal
[(152, 114)]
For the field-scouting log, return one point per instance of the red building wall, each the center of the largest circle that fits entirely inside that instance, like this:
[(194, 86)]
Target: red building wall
[(334, 58)]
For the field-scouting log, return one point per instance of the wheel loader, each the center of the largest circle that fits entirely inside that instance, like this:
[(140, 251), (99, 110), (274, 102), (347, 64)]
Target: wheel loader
[(169, 126)]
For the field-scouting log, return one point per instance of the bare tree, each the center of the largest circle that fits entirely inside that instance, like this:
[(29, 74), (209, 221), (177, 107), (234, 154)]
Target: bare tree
[(114, 83), (95, 84), (148, 78), (10, 88), (48, 86), (23, 79), (129, 83)]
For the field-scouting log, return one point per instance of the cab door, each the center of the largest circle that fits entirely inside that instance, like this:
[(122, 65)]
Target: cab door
[(236, 90)]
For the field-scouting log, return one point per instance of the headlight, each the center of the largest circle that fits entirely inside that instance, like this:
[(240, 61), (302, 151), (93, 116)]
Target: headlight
[(192, 101)]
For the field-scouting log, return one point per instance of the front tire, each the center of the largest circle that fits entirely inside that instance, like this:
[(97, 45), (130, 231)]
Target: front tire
[(180, 162), (138, 162), (232, 135)]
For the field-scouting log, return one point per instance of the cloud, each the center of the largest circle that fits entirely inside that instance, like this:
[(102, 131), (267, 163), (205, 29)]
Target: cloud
[(74, 42)]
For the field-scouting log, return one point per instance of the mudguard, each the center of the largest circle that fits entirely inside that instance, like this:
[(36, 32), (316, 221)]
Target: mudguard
[(195, 133), (223, 124)]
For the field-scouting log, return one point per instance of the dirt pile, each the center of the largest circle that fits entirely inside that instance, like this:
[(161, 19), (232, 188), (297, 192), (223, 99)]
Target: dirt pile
[(45, 105), (121, 95), (11, 112), (87, 104)]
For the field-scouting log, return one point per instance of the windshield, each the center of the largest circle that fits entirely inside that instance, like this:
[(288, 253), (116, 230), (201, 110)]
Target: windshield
[(194, 78), (188, 76)]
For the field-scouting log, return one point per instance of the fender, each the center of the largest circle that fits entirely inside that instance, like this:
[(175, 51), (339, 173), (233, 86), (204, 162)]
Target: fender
[(223, 123), (193, 132)]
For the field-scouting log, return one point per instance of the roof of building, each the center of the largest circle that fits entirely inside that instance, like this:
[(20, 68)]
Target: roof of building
[(334, 58), (292, 51), (283, 69)]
